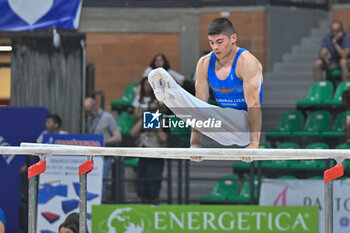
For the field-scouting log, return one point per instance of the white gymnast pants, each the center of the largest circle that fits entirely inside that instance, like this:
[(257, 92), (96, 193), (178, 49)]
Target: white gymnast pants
[(234, 125)]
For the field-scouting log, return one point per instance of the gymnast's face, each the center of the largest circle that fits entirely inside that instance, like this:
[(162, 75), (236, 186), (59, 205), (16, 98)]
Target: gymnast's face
[(222, 44)]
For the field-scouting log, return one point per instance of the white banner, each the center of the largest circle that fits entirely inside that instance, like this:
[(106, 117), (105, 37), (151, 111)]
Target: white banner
[(309, 193), (59, 190)]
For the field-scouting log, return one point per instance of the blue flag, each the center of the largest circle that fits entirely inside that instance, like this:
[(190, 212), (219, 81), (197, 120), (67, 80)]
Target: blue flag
[(23, 15)]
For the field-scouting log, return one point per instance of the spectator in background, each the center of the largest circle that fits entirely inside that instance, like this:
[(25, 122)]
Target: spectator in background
[(102, 122), (336, 44), (148, 190), (2, 221), (52, 125), (70, 224), (161, 61)]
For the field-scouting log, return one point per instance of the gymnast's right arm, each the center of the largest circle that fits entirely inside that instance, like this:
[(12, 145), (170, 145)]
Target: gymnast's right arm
[(202, 92)]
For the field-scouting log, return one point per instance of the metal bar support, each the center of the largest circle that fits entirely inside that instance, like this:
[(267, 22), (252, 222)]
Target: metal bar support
[(121, 180), (329, 207), (84, 169), (179, 181), (252, 182), (187, 182), (82, 203), (32, 203), (33, 175), (169, 181), (330, 175)]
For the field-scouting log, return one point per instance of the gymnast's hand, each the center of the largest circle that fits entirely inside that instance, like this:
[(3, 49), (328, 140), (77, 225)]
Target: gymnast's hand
[(252, 145), (196, 158)]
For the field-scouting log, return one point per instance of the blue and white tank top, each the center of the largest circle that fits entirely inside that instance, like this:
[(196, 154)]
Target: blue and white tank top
[(228, 92)]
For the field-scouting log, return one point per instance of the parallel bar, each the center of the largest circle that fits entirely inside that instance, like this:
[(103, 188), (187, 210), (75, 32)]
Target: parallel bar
[(179, 153)]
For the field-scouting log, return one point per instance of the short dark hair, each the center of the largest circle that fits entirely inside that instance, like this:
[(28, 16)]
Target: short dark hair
[(340, 23), (166, 65), (55, 118), (221, 26), (72, 223)]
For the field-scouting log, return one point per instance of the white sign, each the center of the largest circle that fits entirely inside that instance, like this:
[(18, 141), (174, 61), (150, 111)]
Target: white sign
[(309, 193), (59, 190)]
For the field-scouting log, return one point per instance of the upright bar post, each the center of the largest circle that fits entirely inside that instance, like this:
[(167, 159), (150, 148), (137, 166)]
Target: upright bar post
[(118, 182), (32, 203), (179, 181), (329, 207), (84, 169), (169, 181), (259, 176), (187, 181), (82, 203), (330, 175), (252, 182), (33, 175), (121, 181)]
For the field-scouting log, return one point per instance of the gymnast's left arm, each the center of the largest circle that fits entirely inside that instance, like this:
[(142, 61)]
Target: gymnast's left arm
[(251, 73)]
